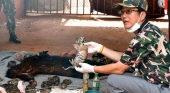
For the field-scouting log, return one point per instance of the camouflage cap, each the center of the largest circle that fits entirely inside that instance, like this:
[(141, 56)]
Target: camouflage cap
[(135, 3)]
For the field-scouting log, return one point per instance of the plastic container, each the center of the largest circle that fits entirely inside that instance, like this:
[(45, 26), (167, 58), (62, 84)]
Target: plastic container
[(85, 82), (96, 82), (93, 91)]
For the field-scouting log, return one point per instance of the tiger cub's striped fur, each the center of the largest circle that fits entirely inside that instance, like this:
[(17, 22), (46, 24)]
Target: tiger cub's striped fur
[(81, 56)]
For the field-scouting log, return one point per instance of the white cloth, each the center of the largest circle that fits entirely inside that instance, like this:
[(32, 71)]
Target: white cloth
[(58, 90), (161, 3), (21, 86), (2, 90)]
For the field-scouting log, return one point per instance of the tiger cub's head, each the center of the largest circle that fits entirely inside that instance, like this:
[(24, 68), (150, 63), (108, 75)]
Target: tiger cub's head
[(80, 47), (80, 40)]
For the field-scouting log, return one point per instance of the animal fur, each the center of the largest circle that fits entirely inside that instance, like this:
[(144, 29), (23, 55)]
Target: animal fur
[(45, 64), (80, 57), (82, 49)]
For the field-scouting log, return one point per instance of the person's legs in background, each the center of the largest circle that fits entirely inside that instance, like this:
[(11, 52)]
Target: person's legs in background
[(9, 11)]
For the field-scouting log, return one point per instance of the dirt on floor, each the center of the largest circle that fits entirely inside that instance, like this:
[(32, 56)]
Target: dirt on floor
[(57, 33)]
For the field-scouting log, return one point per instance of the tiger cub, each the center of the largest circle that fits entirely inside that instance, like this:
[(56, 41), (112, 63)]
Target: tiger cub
[(80, 41), (81, 56)]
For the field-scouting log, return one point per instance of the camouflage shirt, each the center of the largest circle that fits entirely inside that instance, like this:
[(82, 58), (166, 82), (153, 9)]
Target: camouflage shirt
[(149, 51)]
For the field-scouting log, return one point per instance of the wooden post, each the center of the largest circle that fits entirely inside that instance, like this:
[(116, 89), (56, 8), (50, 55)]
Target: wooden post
[(19, 6)]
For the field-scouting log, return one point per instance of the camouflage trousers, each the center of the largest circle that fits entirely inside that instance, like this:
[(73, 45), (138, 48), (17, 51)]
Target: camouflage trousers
[(9, 11), (127, 83)]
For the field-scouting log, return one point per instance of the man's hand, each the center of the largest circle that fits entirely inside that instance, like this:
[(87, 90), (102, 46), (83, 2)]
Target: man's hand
[(161, 3), (85, 68), (94, 47)]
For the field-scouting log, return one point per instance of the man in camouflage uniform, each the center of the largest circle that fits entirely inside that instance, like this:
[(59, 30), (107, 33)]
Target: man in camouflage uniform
[(9, 11), (148, 51)]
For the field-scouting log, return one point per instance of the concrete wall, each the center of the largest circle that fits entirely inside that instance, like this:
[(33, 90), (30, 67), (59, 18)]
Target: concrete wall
[(19, 6)]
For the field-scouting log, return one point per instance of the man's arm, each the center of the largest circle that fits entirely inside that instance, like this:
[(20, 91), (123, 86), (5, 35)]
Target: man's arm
[(115, 68), (113, 55)]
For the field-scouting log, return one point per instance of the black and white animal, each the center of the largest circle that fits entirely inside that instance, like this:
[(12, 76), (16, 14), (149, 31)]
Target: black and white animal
[(81, 55), (43, 63), (80, 40)]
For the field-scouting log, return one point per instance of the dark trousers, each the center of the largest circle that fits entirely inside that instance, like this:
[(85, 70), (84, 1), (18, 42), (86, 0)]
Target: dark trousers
[(9, 11)]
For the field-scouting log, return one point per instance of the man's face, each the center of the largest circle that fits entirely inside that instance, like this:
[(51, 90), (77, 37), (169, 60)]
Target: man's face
[(129, 16)]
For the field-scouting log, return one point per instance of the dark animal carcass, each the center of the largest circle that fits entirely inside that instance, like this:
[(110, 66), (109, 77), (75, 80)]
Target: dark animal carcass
[(108, 7), (45, 64)]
